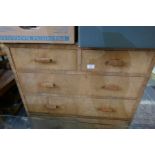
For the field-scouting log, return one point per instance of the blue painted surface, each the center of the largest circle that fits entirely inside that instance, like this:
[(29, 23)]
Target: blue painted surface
[(116, 36)]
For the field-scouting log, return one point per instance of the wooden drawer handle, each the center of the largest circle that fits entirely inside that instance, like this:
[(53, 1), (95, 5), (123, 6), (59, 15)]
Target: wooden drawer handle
[(44, 60), (52, 107), (111, 87), (115, 63), (48, 85), (105, 109)]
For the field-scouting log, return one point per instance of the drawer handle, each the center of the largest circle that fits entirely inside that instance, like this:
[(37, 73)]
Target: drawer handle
[(105, 109), (111, 87), (115, 63), (44, 60), (48, 85), (52, 107)]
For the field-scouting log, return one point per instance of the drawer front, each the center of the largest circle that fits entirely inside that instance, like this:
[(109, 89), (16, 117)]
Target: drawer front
[(91, 85), (80, 106), (116, 61), (48, 59)]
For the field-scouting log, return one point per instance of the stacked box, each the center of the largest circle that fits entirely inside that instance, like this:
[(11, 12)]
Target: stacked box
[(37, 34)]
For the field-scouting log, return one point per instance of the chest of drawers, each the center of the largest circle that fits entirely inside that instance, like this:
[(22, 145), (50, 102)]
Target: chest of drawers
[(98, 86)]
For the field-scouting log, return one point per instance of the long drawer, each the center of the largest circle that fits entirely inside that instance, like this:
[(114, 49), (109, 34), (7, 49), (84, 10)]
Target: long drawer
[(44, 59), (116, 61), (78, 84), (110, 108)]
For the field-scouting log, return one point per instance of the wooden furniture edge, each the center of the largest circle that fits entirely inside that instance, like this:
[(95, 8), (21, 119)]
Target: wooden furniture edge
[(45, 115), (140, 94), (42, 45)]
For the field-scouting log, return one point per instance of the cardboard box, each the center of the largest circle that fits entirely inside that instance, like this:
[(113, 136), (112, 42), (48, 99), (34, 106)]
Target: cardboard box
[(37, 34)]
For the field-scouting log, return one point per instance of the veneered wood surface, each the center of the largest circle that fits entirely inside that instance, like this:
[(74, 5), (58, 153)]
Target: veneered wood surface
[(89, 85), (109, 108), (129, 62), (52, 122), (44, 59), (107, 92)]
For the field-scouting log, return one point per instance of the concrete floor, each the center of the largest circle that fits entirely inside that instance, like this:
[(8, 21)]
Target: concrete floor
[(145, 115)]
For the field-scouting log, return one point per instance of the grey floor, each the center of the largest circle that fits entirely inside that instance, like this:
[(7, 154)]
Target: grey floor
[(145, 115)]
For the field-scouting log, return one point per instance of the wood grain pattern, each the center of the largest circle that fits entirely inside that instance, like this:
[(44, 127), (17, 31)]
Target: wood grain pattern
[(76, 122), (44, 59), (130, 62), (79, 59), (89, 85), (105, 97), (107, 108)]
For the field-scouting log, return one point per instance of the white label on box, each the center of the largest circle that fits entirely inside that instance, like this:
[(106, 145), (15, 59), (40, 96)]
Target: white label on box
[(90, 66)]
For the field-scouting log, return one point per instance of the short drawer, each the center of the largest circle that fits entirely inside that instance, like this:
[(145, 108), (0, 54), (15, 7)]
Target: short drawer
[(83, 85), (116, 61), (44, 59), (109, 108)]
